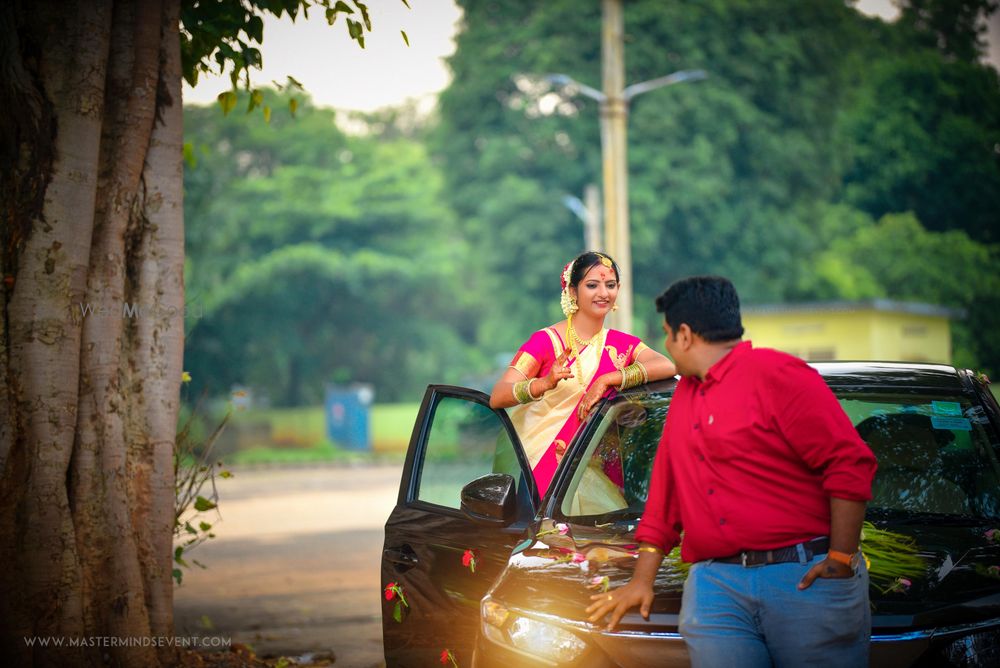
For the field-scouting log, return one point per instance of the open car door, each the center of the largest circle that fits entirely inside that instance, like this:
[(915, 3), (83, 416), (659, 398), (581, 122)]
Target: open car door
[(438, 560)]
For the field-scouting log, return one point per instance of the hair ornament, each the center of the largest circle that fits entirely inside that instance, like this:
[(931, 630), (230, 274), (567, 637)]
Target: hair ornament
[(566, 301)]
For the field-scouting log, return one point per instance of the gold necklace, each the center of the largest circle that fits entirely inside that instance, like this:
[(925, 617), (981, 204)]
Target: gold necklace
[(574, 339)]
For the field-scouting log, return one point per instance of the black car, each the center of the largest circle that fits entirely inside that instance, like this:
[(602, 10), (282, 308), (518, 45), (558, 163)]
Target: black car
[(477, 570)]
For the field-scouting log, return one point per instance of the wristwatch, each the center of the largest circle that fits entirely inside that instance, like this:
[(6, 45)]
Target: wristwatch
[(852, 560)]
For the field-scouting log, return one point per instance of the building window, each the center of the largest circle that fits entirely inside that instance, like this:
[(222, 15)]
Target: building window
[(914, 330)]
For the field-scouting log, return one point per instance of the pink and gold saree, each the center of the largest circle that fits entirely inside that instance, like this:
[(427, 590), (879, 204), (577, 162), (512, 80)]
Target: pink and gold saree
[(546, 426)]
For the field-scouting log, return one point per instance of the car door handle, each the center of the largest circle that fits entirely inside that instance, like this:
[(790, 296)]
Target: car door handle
[(403, 556)]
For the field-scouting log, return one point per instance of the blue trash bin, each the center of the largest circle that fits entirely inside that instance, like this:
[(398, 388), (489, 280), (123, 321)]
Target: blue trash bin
[(347, 416)]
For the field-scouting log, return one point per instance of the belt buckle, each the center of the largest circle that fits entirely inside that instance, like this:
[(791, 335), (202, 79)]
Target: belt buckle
[(743, 560)]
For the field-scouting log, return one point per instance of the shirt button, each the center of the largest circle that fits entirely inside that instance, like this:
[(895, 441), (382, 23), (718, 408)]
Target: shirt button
[(711, 491), (701, 392), (722, 521), (701, 457), (697, 425)]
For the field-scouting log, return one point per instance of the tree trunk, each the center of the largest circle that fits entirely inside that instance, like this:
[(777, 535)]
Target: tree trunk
[(92, 339)]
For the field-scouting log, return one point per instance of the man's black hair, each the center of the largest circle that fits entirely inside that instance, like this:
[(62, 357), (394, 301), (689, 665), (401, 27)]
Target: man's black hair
[(708, 304)]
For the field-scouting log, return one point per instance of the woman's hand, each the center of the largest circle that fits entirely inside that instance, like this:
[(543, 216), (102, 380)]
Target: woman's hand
[(593, 395), (560, 371)]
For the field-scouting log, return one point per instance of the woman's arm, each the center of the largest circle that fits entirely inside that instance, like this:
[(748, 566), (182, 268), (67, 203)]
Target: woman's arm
[(657, 367), (502, 395)]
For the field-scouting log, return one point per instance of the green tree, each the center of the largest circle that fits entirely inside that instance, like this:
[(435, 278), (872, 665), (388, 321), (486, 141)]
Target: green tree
[(815, 122), (91, 181), (335, 255)]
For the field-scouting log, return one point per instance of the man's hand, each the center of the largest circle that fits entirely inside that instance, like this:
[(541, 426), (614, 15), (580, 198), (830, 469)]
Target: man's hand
[(828, 568), (617, 603)]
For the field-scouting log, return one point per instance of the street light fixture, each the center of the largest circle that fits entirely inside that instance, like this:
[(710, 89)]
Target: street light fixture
[(614, 111), (614, 101)]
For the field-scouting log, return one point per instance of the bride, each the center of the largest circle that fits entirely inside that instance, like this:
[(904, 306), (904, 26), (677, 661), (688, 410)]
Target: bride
[(559, 373)]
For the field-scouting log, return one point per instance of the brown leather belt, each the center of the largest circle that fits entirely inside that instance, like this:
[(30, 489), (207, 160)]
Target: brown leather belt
[(780, 556)]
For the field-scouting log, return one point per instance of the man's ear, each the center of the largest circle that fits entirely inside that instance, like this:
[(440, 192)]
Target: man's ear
[(684, 335)]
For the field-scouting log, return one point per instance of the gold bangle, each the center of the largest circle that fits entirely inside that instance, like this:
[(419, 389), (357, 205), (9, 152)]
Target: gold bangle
[(523, 375), (648, 548), (632, 375), (522, 392), (527, 388), (642, 368)]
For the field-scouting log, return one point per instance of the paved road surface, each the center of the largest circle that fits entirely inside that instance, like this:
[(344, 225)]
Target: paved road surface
[(295, 565)]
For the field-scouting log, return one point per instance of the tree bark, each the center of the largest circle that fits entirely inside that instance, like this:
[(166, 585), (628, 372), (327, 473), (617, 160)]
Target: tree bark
[(89, 384)]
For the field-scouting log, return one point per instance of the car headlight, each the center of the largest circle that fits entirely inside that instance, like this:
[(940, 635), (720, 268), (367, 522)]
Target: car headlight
[(528, 635)]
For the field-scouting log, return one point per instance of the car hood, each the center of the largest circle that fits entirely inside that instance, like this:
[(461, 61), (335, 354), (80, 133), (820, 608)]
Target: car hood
[(558, 569)]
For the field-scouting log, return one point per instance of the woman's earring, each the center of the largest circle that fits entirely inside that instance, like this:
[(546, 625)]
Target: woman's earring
[(615, 307)]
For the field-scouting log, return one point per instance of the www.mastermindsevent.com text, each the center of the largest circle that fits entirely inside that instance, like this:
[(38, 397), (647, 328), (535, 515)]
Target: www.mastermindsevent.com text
[(127, 641)]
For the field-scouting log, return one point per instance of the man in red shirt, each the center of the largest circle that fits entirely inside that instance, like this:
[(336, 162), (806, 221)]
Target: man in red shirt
[(767, 478)]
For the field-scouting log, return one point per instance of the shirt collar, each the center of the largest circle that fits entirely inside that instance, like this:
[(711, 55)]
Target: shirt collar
[(719, 369)]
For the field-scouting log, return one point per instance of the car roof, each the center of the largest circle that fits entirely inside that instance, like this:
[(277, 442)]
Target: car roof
[(882, 375)]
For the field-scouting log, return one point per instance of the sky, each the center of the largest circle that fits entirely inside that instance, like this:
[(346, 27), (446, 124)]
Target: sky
[(337, 73)]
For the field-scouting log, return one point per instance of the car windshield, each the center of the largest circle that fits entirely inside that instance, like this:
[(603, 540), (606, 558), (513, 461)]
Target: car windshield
[(937, 455)]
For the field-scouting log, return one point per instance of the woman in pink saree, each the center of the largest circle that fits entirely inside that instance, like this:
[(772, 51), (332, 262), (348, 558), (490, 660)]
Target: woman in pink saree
[(559, 373)]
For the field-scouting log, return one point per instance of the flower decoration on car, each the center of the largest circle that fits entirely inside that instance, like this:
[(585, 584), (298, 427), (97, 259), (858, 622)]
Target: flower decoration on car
[(890, 556), (558, 528), (602, 583), (988, 571), (394, 592), (898, 585), (447, 657), (993, 535), (469, 558)]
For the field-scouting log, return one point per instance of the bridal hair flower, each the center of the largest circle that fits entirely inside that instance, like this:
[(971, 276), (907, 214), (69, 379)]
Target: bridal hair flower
[(566, 301)]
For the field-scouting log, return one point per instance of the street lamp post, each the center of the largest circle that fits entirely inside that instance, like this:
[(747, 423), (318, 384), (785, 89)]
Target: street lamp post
[(614, 102)]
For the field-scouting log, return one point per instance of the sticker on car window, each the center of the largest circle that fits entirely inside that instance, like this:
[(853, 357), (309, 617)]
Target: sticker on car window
[(953, 423), (946, 408)]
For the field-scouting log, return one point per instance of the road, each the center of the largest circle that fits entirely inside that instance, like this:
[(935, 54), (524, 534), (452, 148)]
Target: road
[(294, 568)]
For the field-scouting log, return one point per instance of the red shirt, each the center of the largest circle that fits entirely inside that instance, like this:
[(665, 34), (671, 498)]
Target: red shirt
[(750, 457)]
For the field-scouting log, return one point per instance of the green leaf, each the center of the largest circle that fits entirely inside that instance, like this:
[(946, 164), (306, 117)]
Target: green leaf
[(201, 504), (357, 32), (225, 474), (227, 101), (267, 114), (295, 82), (293, 105), (342, 6), (407, 4), (204, 526), (255, 28), (189, 528), (191, 160), (256, 98), (397, 612), (405, 38), (178, 575), (364, 15)]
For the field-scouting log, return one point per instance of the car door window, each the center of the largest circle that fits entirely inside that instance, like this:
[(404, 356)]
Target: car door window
[(466, 440), (614, 472)]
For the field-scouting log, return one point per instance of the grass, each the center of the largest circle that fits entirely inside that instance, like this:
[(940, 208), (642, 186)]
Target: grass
[(298, 435)]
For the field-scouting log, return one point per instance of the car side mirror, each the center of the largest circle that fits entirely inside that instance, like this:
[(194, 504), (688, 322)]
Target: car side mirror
[(491, 499)]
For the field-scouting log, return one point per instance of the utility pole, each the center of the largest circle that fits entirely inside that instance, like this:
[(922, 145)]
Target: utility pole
[(614, 119), (614, 101)]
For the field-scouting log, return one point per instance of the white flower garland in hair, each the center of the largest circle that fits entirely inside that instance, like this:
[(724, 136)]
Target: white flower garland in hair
[(568, 304)]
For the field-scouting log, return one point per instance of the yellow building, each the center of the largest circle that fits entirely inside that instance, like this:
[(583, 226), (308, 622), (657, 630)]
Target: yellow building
[(878, 329)]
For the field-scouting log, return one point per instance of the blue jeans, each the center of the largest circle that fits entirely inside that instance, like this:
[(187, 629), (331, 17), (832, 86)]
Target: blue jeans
[(757, 616)]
